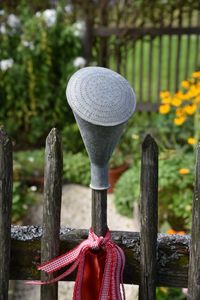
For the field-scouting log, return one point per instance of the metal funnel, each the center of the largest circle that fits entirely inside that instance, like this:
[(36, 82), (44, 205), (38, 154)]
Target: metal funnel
[(102, 102)]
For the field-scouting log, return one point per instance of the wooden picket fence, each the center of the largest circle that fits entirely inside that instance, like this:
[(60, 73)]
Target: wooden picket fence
[(153, 57), (152, 259)]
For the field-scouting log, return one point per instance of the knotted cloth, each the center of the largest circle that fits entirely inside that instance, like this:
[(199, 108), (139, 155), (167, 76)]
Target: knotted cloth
[(100, 264)]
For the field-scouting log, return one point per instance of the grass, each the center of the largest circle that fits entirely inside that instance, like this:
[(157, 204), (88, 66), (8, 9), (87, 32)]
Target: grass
[(131, 64)]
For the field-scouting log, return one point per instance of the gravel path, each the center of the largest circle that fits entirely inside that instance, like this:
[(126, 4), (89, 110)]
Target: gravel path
[(75, 213)]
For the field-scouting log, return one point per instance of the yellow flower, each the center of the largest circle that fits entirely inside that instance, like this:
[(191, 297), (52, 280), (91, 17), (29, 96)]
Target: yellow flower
[(196, 74), (164, 109), (190, 109), (179, 121), (171, 231), (176, 102), (185, 96), (193, 91), (164, 94), (185, 84), (184, 171), (135, 136), (197, 99), (164, 290), (181, 232), (191, 141), (166, 100), (180, 95), (179, 112)]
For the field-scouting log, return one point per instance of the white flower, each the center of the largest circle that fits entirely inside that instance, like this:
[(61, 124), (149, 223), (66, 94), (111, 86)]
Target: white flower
[(2, 12), (2, 28), (38, 14), (68, 8), (28, 44), (13, 21), (6, 64), (31, 158), (79, 62), (185, 291), (33, 188), (49, 16), (79, 29)]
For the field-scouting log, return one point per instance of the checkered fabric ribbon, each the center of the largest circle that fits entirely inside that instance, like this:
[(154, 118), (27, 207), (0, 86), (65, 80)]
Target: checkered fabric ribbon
[(113, 269)]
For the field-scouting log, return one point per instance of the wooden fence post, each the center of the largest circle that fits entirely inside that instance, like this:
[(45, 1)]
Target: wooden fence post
[(6, 163), (149, 219), (194, 261), (51, 208)]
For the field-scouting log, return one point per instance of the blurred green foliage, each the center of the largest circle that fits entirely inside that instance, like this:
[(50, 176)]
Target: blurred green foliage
[(29, 166), (36, 61), (23, 197), (164, 293), (77, 168), (175, 191)]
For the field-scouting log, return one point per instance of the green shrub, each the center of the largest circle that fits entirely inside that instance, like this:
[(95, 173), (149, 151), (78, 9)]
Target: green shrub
[(77, 168), (36, 61), (175, 193), (23, 197), (164, 293), (28, 164), (126, 191), (71, 138)]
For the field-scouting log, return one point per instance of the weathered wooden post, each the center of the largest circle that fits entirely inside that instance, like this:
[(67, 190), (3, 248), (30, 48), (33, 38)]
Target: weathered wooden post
[(149, 220), (194, 261), (50, 242), (102, 102), (5, 211)]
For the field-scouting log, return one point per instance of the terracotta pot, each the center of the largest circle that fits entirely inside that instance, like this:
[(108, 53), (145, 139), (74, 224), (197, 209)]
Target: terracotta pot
[(114, 175)]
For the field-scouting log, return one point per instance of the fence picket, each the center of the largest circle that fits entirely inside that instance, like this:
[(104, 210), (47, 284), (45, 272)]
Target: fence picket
[(150, 64), (197, 46), (194, 262), (149, 219), (51, 208), (188, 46), (5, 211), (178, 53), (141, 71), (169, 55)]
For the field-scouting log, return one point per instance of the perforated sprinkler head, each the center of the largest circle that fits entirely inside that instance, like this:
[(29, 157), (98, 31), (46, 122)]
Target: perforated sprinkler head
[(102, 102)]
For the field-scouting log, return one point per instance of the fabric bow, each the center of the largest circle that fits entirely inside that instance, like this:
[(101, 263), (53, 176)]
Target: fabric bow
[(111, 267)]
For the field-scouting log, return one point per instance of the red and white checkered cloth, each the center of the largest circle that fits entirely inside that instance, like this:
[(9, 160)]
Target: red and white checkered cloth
[(112, 273)]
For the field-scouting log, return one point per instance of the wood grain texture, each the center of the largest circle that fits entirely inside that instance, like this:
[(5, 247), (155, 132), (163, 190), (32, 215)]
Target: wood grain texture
[(172, 259), (194, 267), (51, 209), (5, 210), (149, 219), (99, 212)]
